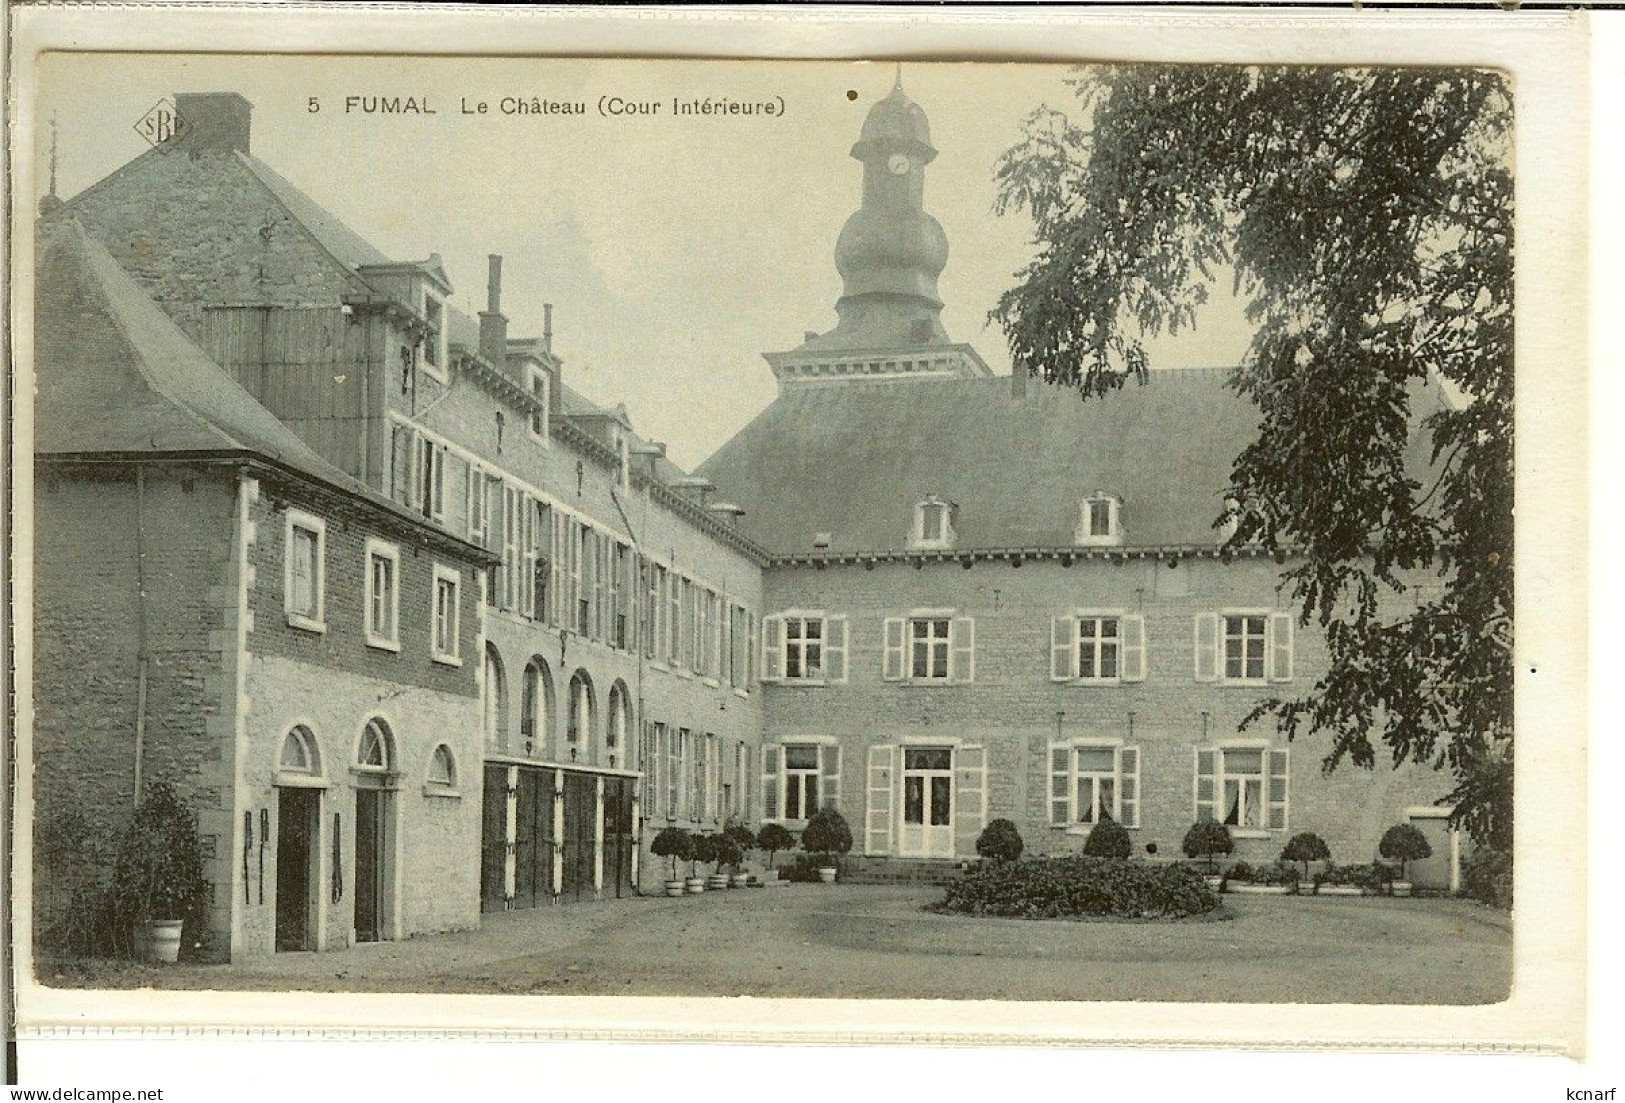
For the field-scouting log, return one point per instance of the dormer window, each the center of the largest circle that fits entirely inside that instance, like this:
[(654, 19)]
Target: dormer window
[(434, 341), (1099, 523), (934, 523), (538, 391)]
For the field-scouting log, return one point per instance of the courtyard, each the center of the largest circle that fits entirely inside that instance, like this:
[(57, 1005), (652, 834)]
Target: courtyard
[(877, 942)]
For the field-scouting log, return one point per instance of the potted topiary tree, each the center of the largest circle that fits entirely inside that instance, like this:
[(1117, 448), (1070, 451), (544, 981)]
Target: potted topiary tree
[(1306, 847), (724, 852), (701, 853), (158, 881), (1000, 842), (1403, 843), (1208, 839), (773, 838), (745, 840), (1108, 839), (678, 845), (825, 838)]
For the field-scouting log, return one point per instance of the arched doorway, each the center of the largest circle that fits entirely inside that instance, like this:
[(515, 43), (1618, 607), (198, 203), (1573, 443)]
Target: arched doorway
[(536, 710), (298, 840), (496, 701), (617, 729), (374, 773)]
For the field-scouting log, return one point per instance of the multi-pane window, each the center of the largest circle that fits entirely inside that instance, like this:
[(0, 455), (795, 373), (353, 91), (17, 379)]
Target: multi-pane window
[(1097, 647), (621, 629), (803, 647), (383, 595), (538, 413), (800, 781), (1244, 787), (928, 647), (540, 544), (585, 551), (1098, 523), (304, 598), (1091, 782), (431, 479), (1244, 647), (446, 614)]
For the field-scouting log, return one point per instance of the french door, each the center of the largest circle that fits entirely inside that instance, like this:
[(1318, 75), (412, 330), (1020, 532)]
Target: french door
[(928, 803)]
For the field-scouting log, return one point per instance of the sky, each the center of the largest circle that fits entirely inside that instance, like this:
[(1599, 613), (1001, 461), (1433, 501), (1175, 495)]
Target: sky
[(676, 250)]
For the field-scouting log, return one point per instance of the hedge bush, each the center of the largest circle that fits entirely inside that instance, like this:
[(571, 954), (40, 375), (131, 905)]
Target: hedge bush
[(1000, 841), (1277, 873), (1486, 876), (1046, 888), (1367, 876), (1108, 839)]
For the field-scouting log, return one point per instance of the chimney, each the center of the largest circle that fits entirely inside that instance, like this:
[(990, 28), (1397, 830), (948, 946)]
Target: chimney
[(493, 323), (213, 122), (1018, 381), (547, 326)]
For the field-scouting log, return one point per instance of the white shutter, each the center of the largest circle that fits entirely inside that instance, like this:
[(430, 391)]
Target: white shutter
[(1128, 786), (438, 503), (771, 786), (1063, 649), (829, 779), (772, 648), (1278, 795), (879, 797), (402, 454), (1206, 800), (970, 797), (1060, 784), (892, 668), (1281, 650), (962, 650), (1207, 647), (835, 632), (474, 494), (555, 537), (1132, 667)]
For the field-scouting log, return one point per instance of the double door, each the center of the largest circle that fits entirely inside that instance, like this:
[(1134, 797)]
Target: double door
[(927, 830)]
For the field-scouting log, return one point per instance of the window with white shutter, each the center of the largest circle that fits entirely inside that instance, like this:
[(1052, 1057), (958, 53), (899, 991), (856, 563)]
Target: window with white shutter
[(963, 639), (772, 648), (879, 795), (835, 649), (829, 765), (1278, 789), (1093, 780), (474, 498), (1202, 787), (1207, 647), (771, 766), (1244, 786), (1281, 647), (1133, 659), (1063, 654), (892, 669), (304, 572)]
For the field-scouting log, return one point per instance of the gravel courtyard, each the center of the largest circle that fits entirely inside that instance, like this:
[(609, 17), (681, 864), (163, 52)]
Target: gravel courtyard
[(879, 942)]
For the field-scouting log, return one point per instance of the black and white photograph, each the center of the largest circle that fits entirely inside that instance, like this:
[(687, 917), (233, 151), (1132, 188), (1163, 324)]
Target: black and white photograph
[(883, 529)]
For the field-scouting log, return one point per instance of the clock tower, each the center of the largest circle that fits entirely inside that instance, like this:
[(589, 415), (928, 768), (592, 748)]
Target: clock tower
[(889, 255)]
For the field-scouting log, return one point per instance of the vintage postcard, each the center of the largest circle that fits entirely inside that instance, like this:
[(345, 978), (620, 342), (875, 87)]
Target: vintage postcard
[(1025, 547)]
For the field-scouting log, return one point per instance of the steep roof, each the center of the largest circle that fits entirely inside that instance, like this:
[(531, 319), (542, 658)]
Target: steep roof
[(853, 459), (114, 374)]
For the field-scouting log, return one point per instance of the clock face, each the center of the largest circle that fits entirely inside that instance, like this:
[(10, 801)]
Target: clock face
[(898, 164)]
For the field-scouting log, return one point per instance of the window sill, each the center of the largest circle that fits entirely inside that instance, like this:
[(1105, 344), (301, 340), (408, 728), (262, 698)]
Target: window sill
[(656, 664), (1096, 683), (929, 683), (714, 683), (745, 693), (1082, 830), (803, 683), (447, 660), (379, 643), (305, 624), (1250, 833), (442, 792)]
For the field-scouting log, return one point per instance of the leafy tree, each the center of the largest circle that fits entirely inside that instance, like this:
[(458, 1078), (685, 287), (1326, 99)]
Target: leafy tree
[(826, 835), (1404, 843), (1366, 217), (1207, 839), (673, 843), (1306, 847), (773, 838)]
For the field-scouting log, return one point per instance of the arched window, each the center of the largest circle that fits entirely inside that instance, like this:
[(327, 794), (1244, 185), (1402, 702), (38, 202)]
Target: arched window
[(536, 708), (579, 729), (443, 768), (496, 700), (620, 722), (375, 753), (299, 752)]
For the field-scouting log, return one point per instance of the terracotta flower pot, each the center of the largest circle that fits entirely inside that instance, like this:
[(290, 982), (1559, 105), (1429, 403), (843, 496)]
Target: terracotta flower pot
[(163, 941)]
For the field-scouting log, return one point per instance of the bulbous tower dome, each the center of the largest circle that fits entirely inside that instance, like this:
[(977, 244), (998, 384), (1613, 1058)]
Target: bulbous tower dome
[(891, 251)]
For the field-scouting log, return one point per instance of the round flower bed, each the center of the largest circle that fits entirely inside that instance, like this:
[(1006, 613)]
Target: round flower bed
[(1048, 888)]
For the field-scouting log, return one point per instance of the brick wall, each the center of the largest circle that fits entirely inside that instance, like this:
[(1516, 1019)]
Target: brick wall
[(1015, 710), (101, 543)]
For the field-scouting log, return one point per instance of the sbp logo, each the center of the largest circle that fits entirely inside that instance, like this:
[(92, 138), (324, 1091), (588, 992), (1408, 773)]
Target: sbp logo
[(161, 124)]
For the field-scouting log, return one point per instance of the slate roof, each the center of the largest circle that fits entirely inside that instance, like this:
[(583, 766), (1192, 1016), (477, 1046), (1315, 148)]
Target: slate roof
[(854, 458), (115, 375)]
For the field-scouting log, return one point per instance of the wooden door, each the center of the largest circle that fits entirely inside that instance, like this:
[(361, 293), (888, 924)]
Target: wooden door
[(494, 840), (533, 838), (369, 864), (297, 848)]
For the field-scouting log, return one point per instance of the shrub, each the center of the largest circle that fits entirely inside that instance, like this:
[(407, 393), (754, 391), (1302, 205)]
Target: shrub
[(1108, 839), (673, 843), (1486, 876), (1207, 839), (1000, 841), (773, 838), (1366, 876), (804, 868), (1241, 871), (1306, 847), (1404, 843), (1276, 873), (1042, 888), (725, 851), (827, 835), (743, 837), (159, 870)]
